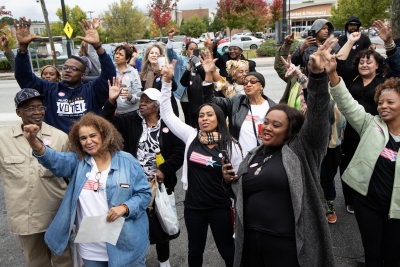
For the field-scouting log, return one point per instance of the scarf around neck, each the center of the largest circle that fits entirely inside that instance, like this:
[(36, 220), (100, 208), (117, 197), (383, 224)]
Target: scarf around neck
[(150, 75)]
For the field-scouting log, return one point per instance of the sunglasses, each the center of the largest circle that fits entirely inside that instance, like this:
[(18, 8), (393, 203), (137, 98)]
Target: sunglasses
[(252, 81), (73, 68)]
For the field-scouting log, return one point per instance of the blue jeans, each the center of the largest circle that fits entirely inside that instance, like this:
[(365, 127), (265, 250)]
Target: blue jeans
[(90, 263)]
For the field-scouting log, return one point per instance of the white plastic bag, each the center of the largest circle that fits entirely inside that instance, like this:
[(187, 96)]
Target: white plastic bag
[(166, 211)]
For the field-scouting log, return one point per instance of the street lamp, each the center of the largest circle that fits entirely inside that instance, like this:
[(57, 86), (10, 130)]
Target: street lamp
[(90, 14)]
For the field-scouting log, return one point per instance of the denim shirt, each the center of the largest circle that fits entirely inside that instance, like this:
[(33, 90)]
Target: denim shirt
[(133, 241), (180, 67)]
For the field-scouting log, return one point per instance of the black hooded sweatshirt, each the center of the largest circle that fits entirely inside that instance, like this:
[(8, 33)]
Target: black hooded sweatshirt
[(361, 44)]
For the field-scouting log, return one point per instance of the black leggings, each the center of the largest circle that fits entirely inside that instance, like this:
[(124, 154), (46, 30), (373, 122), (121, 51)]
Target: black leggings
[(162, 251), (262, 250), (380, 236), (220, 222)]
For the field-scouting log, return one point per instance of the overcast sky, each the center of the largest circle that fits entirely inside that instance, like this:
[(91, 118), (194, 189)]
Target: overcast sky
[(31, 9)]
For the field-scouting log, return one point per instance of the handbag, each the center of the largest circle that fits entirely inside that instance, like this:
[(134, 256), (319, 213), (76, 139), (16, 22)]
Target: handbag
[(166, 212)]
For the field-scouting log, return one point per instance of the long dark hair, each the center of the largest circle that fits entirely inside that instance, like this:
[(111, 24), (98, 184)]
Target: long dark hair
[(295, 118), (226, 137)]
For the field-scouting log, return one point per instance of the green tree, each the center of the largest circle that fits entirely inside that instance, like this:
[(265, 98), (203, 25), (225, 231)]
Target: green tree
[(74, 15), (194, 26), (395, 19), (366, 10), (8, 20), (125, 21), (206, 20), (217, 23), (12, 42), (258, 15)]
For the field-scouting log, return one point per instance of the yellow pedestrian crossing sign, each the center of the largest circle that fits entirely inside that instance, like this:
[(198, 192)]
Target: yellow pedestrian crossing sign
[(68, 30)]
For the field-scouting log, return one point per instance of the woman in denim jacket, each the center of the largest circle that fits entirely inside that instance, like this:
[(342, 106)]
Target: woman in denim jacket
[(104, 180)]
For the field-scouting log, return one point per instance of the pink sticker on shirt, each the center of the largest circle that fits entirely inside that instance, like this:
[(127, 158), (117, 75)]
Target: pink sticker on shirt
[(165, 130), (389, 154), (378, 129), (202, 159), (61, 94), (255, 118), (46, 142), (354, 47), (253, 165)]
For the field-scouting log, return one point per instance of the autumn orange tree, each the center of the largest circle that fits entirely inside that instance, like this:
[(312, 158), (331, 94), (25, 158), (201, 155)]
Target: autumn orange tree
[(257, 15), (275, 9), (160, 12), (231, 13)]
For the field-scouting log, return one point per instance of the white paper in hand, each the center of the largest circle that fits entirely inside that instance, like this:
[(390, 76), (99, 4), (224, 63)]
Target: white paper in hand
[(96, 229)]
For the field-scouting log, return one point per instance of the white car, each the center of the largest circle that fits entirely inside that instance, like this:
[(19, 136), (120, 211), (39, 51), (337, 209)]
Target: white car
[(249, 42)]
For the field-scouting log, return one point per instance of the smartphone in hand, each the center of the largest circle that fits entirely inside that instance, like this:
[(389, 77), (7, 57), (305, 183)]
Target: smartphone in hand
[(312, 33), (227, 160)]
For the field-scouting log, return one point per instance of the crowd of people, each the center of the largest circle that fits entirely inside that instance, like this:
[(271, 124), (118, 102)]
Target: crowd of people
[(259, 174)]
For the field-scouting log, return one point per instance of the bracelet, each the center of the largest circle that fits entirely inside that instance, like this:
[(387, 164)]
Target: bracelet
[(207, 81), (126, 209), (38, 151), (97, 47), (303, 79), (390, 46)]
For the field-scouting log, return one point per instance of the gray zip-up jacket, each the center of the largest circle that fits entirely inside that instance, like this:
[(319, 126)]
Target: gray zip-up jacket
[(301, 160)]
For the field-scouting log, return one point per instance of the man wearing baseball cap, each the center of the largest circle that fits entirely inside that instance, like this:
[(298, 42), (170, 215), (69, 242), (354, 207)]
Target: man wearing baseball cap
[(32, 193), (353, 24), (144, 131)]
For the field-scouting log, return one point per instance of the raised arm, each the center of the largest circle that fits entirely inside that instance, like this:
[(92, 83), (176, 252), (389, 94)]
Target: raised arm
[(178, 127), (283, 51), (61, 164), (345, 50), (315, 131), (7, 51)]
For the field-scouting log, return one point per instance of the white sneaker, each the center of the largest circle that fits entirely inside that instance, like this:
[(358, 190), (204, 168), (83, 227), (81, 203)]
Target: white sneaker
[(165, 264)]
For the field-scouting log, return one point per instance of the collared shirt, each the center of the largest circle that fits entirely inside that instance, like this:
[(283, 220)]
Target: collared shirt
[(32, 193)]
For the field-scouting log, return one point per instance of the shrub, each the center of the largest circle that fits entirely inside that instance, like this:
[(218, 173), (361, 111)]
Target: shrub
[(269, 48), (4, 65)]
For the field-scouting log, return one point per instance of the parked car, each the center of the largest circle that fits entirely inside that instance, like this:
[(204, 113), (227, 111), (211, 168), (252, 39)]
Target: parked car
[(224, 40), (249, 42), (270, 36), (337, 33), (33, 53), (178, 47), (141, 41)]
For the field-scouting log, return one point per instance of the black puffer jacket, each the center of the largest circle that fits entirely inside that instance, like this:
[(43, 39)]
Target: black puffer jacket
[(130, 127), (236, 108)]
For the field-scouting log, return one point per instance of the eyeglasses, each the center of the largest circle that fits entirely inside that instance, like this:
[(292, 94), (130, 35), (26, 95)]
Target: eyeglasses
[(96, 184), (73, 68), (32, 109), (252, 81)]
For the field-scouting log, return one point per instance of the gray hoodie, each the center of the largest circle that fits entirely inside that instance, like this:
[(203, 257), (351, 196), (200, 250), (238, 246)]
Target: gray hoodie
[(130, 77), (302, 59)]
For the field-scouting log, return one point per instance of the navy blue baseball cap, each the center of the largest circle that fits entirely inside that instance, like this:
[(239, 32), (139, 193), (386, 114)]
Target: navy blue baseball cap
[(26, 94)]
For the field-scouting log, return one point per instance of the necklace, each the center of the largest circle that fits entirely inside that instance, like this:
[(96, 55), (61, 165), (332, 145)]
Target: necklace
[(266, 158)]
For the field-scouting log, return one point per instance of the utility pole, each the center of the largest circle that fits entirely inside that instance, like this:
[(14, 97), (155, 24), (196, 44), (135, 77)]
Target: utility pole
[(46, 20), (395, 18), (284, 21), (65, 22)]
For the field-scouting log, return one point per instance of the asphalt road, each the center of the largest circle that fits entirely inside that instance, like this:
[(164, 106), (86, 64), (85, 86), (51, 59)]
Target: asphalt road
[(346, 240)]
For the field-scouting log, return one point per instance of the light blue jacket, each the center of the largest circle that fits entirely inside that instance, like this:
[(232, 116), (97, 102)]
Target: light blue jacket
[(133, 241), (374, 136), (181, 65)]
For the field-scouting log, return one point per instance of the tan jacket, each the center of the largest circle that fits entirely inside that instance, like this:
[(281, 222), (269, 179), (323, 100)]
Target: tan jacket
[(31, 193)]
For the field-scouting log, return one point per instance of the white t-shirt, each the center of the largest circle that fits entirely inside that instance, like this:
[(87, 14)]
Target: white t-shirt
[(247, 139), (92, 203)]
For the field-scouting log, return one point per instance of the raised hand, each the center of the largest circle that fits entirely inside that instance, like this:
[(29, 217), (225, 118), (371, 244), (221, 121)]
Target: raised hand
[(96, 22), (91, 35), (308, 42), (207, 61), (22, 32), (167, 73), (4, 42), (384, 31), (114, 90), (355, 36), (291, 69), (322, 59), (207, 43), (171, 33), (30, 132), (289, 39)]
